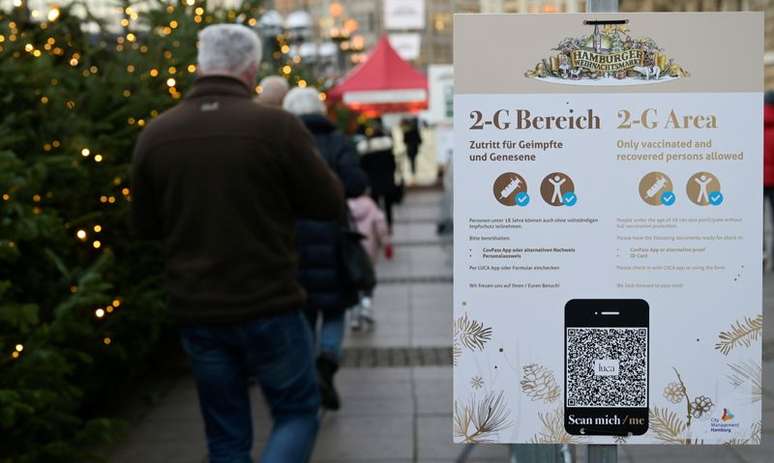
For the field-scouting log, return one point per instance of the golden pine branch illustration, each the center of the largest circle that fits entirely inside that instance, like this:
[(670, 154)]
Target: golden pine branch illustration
[(737, 441), (553, 430), (667, 425), (456, 353), (461, 422), (747, 373), (755, 433), (754, 439), (685, 394), (479, 420), (742, 333), (539, 383), (471, 333)]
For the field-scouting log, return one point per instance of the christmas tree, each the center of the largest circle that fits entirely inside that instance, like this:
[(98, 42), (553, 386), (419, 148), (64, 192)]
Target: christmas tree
[(81, 304)]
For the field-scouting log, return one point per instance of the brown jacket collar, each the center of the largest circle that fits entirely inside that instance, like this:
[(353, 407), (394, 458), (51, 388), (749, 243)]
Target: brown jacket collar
[(218, 85)]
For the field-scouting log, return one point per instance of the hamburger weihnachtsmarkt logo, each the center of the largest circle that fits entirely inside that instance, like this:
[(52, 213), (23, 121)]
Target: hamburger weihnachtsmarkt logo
[(607, 56)]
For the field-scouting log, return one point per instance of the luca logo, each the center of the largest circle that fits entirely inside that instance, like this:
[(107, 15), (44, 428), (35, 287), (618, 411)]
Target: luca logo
[(607, 56)]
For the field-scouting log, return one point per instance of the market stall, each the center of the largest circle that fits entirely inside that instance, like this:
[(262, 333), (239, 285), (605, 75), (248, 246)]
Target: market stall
[(384, 83)]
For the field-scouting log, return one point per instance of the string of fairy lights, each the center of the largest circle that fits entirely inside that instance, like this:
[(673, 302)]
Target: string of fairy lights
[(91, 235), (51, 48), (171, 75)]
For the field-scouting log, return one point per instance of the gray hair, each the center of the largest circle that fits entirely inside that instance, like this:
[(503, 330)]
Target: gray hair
[(273, 90), (300, 101), (228, 49)]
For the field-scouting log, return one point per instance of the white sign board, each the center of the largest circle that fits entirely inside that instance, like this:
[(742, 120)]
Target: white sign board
[(608, 229), (444, 144), (441, 83), (404, 14), (407, 45)]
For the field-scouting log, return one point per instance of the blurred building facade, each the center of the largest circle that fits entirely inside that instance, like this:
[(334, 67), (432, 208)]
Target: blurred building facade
[(436, 42), (766, 6), (109, 10), (436, 36)]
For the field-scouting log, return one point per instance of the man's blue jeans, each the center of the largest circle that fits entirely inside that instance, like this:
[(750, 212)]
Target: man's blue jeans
[(278, 353)]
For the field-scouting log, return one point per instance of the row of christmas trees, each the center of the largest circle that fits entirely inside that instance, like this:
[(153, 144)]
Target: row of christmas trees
[(80, 302)]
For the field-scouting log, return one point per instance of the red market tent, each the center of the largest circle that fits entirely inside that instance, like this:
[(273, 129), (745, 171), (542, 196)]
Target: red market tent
[(383, 83)]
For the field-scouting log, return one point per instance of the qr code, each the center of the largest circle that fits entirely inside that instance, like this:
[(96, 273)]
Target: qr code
[(607, 367)]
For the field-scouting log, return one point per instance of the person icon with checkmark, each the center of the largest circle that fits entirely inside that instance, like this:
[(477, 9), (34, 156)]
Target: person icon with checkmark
[(703, 181), (557, 182), (703, 189), (555, 187)]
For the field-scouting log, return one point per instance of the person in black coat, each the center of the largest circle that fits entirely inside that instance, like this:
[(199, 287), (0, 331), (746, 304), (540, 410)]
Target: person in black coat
[(378, 161), (329, 293), (412, 138)]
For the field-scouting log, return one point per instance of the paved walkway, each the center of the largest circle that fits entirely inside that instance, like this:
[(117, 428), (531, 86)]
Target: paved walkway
[(396, 385)]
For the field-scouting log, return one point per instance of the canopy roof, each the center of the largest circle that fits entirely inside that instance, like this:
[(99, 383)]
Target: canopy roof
[(384, 82)]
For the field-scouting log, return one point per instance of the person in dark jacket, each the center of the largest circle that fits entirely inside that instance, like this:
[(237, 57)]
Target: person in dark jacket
[(378, 161), (412, 138), (768, 147), (329, 293), (222, 181), (768, 170)]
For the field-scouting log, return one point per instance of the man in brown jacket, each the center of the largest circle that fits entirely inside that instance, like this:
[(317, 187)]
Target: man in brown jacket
[(221, 181)]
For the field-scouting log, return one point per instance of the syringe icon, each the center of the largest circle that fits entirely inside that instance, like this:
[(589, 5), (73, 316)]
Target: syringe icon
[(656, 187), (510, 188)]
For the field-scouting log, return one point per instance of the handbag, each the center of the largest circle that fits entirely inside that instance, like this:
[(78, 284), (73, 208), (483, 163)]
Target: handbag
[(398, 192), (357, 265)]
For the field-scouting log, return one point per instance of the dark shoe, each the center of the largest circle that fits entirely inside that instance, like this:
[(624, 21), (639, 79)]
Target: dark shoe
[(326, 368)]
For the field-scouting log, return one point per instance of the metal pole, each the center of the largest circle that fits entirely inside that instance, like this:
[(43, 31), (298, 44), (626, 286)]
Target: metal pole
[(602, 453), (601, 6)]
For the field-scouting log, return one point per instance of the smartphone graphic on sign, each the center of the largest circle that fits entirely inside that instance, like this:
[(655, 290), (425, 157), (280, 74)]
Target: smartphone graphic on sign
[(606, 343)]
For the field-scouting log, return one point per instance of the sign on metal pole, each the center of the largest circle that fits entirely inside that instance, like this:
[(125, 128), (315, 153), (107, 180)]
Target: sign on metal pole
[(608, 178)]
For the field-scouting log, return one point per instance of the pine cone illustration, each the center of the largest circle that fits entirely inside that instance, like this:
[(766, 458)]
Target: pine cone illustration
[(673, 392), (700, 406), (538, 383)]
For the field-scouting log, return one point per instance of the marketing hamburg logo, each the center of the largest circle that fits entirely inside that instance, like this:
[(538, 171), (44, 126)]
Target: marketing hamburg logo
[(607, 56), (725, 424)]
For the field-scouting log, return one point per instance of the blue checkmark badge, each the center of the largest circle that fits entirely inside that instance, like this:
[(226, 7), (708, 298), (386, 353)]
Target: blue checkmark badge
[(522, 199), (668, 198), (570, 198), (716, 198)]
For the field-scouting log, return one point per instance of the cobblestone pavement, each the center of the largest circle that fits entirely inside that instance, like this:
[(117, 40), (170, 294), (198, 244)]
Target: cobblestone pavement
[(396, 381)]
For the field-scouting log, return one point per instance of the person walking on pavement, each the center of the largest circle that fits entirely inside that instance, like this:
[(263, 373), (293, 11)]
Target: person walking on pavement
[(273, 90), (768, 173), (372, 224), (412, 138), (378, 162), (221, 181), (328, 289)]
